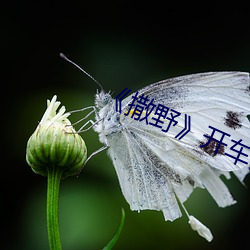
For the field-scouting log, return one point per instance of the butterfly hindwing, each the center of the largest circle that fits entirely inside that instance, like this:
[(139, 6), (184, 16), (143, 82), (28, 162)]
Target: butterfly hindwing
[(142, 183)]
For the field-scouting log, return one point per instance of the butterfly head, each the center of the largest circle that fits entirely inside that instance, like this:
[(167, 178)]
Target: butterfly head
[(102, 99)]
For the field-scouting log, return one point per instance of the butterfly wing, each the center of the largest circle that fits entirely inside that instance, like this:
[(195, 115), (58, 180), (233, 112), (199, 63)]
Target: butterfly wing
[(217, 99), (154, 167), (138, 170)]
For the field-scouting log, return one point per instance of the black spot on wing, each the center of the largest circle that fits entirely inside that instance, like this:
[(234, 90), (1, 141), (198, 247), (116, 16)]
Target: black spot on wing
[(233, 119), (211, 148), (248, 89), (191, 181)]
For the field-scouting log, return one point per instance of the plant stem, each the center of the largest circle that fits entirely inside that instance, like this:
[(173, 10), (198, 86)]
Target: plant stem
[(54, 177)]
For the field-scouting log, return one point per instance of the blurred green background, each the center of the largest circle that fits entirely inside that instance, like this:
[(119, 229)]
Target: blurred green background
[(122, 45)]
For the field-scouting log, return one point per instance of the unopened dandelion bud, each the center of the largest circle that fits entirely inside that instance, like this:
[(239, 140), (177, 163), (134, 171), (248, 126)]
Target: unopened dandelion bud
[(55, 143)]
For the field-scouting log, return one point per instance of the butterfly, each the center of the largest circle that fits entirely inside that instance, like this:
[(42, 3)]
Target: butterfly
[(158, 171)]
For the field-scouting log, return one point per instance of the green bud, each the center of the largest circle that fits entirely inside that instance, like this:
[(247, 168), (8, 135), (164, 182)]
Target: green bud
[(55, 144)]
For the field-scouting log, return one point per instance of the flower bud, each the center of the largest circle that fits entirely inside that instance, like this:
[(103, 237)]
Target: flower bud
[(55, 144)]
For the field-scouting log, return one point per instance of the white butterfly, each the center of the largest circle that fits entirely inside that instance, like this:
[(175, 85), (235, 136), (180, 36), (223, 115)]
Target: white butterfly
[(154, 168), (157, 171)]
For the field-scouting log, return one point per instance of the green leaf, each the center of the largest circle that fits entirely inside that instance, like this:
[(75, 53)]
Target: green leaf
[(117, 234)]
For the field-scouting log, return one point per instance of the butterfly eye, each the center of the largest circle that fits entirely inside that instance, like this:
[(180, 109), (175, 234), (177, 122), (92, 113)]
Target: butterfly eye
[(106, 99)]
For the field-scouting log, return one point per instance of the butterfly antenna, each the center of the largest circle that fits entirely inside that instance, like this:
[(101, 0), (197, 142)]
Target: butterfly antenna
[(68, 60)]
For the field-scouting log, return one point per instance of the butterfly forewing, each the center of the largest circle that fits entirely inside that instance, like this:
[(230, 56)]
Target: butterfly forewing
[(217, 99)]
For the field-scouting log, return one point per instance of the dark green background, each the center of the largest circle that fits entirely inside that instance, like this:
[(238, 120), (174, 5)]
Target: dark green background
[(122, 44)]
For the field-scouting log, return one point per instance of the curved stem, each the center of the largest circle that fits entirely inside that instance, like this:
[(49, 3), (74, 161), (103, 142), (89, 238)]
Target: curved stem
[(117, 234), (54, 177)]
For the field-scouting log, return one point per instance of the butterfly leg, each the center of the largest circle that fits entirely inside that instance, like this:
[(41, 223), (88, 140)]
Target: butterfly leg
[(81, 129), (86, 116), (96, 152), (92, 154), (83, 109)]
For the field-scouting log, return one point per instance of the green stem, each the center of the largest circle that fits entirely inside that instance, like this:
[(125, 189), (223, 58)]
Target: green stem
[(54, 177)]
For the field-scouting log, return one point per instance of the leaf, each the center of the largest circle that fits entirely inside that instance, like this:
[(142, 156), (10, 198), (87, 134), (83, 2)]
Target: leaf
[(117, 234)]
